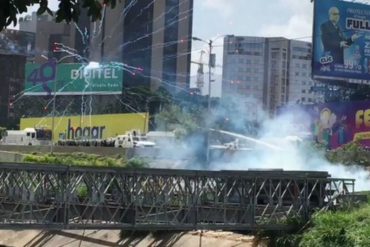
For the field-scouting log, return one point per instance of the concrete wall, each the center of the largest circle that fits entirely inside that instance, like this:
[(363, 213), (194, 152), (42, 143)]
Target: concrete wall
[(11, 157)]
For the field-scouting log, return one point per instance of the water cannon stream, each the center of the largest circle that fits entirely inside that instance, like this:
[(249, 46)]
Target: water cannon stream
[(259, 142)]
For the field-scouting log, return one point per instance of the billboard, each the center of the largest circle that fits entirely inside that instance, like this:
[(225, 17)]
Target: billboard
[(335, 124), (72, 79), (341, 40), (90, 127)]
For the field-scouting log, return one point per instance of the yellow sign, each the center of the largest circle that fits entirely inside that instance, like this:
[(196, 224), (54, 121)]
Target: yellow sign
[(90, 126), (362, 136)]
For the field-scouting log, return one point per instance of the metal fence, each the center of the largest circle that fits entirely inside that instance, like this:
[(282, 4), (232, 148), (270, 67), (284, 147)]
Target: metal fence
[(61, 197)]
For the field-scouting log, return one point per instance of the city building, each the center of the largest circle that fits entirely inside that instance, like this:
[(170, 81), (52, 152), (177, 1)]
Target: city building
[(17, 42), (153, 40), (16, 48), (271, 72), (12, 80)]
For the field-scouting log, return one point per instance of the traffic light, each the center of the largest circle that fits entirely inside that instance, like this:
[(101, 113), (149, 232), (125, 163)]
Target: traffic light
[(11, 101), (56, 47)]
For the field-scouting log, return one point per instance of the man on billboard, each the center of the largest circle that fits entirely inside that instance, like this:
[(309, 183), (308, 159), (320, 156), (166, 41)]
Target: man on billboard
[(333, 39)]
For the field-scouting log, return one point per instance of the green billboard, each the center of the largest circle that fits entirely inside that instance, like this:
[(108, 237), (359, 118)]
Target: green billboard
[(72, 79)]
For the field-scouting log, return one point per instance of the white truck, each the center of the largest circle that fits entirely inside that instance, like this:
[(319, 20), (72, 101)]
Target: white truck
[(27, 137), (132, 139)]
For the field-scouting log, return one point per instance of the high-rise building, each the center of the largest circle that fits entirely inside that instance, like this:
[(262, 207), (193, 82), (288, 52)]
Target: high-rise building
[(16, 47), (17, 42), (155, 37), (271, 72), (12, 80), (47, 32), (301, 83)]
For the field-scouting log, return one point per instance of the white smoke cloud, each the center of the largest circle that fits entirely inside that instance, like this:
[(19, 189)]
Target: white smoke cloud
[(293, 156)]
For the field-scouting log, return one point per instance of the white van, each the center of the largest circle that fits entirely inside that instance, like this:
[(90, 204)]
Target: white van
[(27, 137), (131, 140)]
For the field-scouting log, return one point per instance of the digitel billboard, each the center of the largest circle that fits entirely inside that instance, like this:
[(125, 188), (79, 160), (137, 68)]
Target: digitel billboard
[(72, 79)]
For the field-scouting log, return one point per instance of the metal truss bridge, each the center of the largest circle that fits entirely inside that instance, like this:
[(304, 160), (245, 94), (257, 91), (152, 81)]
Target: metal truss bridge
[(61, 197)]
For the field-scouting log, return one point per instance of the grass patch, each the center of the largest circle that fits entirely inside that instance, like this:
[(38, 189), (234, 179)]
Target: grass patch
[(83, 159), (342, 228)]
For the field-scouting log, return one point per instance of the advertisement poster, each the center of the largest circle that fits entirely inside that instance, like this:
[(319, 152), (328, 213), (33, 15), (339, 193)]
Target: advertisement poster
[(335, 124), (341, 40), (72, 79)]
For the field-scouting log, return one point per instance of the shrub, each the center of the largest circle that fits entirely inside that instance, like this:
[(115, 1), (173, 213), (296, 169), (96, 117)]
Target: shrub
[(74, 159), (137, 163), (343, 228)]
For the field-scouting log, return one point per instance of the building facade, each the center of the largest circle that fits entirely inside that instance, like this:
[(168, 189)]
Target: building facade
[(271, 72), (16, 48), (11, 84)]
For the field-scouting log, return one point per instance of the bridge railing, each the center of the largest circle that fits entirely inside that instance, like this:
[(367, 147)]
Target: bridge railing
[(61, 197)]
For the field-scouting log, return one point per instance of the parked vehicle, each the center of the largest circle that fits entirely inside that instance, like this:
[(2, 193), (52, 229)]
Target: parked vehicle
[(27, 137), (132, 139)]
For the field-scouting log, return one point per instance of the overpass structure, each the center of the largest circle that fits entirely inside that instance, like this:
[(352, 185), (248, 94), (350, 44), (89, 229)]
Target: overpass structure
[(36, 196)]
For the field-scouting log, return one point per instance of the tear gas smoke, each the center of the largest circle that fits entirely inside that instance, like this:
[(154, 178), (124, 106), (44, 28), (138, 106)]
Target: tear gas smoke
[(294, 154), (280, 143)]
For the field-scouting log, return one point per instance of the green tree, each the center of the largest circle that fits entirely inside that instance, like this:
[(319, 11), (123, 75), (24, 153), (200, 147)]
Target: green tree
[(175, 118), (68, 10)]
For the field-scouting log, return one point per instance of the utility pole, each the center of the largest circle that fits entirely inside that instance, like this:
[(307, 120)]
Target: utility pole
[(211, 63), (53, 116)]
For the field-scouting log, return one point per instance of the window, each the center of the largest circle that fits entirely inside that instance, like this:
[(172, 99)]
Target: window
[(303, 90), (302, 49)]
